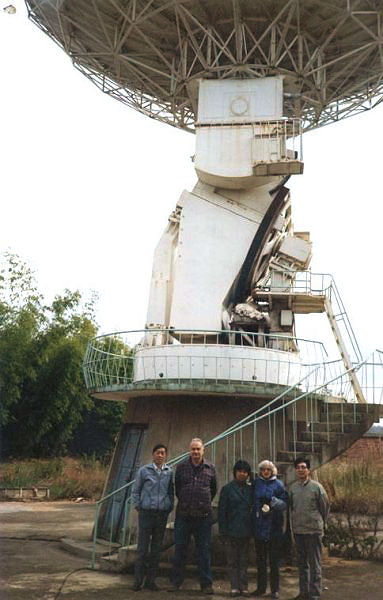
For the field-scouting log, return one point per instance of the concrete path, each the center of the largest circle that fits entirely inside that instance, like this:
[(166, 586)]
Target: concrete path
[(33, 565)]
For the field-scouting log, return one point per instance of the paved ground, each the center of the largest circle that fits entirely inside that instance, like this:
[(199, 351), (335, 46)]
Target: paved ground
[(33, 565)]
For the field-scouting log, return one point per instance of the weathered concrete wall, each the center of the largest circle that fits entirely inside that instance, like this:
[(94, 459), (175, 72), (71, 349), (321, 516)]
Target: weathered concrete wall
[(174, 421)]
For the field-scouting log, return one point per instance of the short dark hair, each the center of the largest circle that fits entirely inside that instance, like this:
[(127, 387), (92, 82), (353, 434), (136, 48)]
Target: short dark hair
[(242, 465), (298, 461), (158, 446)]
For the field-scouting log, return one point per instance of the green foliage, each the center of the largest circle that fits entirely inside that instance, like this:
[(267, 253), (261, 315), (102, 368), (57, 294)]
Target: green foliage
[(353, 537), (96, 434), (30, 473), (43, 399)]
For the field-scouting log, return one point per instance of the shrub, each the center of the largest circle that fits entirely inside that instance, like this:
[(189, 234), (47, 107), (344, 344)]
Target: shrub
[(356, 494), (66, 477)]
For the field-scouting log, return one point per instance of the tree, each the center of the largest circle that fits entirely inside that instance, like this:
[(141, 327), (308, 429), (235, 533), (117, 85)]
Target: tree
[(43, 399)]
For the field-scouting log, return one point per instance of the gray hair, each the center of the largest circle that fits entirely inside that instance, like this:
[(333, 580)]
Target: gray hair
[(195, 439), (268, 464)]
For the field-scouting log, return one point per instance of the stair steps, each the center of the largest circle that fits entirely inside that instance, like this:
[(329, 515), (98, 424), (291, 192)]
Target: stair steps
[(332, 427), (338, 427)]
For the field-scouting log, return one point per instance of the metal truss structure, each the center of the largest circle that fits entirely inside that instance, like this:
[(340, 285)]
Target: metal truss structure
[(150, 54)]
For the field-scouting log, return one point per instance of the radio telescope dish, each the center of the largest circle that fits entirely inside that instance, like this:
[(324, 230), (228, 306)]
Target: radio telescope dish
[(150, 54)]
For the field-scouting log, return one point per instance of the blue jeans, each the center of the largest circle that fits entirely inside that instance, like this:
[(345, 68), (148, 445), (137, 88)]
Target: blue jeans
[(151, 529), (200, 529)]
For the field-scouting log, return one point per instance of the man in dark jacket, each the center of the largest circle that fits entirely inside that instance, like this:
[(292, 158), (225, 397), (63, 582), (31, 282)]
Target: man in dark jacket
[(234, 520), (270, 500), (153, 498), (196, 486)]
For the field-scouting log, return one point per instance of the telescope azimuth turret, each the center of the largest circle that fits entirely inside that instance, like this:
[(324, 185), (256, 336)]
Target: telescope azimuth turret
[(151, 54), (249, 77)]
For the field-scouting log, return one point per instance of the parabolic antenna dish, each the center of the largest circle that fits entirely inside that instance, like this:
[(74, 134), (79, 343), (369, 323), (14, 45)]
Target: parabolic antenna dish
[(150, 54)]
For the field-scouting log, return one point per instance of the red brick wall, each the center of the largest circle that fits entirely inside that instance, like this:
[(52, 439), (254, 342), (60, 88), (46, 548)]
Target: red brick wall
[(364, 448)]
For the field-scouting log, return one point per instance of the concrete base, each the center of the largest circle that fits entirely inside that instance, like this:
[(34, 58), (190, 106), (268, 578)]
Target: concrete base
[(84, 548)]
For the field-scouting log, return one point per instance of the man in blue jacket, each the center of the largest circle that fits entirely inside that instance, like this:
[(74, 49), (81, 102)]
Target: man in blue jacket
[(153, 498)]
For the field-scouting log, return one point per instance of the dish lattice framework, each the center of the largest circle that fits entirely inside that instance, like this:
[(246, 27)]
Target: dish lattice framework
[(149, 54)]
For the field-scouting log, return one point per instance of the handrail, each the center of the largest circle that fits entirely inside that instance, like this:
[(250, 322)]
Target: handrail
[(251, 419), (111, 358), (328, 289), (173, 332)]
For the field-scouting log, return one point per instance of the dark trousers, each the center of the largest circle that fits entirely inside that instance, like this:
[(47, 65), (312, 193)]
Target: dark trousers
[(151, 530), (237, 553), (309, 550), (200, 529), (268, 552)]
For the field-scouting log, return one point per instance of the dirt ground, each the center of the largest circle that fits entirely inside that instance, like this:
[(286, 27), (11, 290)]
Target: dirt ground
[(34, 566)]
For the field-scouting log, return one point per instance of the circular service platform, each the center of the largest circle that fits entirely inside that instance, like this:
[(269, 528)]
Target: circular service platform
[(150, 54)]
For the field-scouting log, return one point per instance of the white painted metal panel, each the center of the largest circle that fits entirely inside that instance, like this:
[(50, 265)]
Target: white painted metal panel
[(296, 248), (161, 283), (213, 242), (240, 101), (224, 151), (217, 363)]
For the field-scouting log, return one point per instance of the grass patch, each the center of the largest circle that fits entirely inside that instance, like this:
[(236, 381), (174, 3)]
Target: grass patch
[(355, 488), (355, 491), (67, 478)]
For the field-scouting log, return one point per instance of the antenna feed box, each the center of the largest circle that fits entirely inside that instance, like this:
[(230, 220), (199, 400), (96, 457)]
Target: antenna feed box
[(240, 127)]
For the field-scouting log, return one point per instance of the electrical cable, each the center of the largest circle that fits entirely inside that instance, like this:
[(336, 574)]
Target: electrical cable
[(67, 576)]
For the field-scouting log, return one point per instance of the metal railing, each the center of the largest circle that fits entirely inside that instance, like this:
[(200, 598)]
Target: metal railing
[(321, 284), (277, 140), (162, 355), (310, 401), (111, 359)]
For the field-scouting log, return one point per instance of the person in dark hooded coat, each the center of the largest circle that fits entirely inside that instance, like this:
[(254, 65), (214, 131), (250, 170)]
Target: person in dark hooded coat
[(234, 521), (270, 501)]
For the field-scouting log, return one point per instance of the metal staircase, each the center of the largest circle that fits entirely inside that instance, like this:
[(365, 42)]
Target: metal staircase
[(318, 410), (318, 421), (334, 428), (311, 292)]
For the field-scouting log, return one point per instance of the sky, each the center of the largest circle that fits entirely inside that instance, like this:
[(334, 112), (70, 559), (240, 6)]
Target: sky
[(87, 185)]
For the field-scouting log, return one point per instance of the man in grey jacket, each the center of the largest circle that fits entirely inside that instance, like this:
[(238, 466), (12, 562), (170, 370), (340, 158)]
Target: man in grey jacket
[(309, 507), (153, 498)]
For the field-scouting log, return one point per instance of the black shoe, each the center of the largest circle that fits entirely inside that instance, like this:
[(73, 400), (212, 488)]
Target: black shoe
[(151, 585), (136, 587), (208, 590), (258, 592)]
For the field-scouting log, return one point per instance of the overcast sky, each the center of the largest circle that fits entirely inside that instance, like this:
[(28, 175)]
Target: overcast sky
[(87, 185)]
